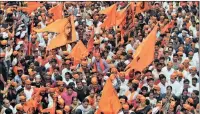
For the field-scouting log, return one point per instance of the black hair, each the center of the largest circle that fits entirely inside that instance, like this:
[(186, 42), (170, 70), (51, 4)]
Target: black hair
[(161, 76), (135, 86), (70, 87), (8, 111), (150, 79), (123, 97), (137, 72), (186, 80), (195, 79), (196, 92), (169, 87), (58, 78), (144, 88)]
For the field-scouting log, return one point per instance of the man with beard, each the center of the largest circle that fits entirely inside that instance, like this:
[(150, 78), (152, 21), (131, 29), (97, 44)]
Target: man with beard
[(81, 90)]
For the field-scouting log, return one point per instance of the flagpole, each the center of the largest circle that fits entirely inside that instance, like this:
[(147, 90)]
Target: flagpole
[(116, 42)]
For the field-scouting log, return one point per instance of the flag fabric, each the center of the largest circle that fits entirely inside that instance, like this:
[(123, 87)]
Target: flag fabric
[(111, 13), (90, 43), (79, 52), (51, 110), (31, 6), (57, 11), (57, 26), (144, 54), (109, 102), (108, 10), (167, 27), (66, 32), (141, 7)]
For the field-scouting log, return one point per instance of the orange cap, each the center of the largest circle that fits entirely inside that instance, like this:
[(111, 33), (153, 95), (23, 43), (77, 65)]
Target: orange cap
[(4, 42), (22, 97), (186, 61), (19, 107), (190, 100), (76, 76), (194, 68), (180, 74), (173, 76), (59, 112), (135, 81), (2, 54), (156, 87), (15, 53), (61, 101), (67, 108), (27, 82), (94, 80), (130, 51), (187, 107), (125, 107)]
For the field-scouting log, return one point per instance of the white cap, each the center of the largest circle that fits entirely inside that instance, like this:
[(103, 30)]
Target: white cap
[(42, 45), (20, 42), (5, 35), (78, 15), (37, 76), (23, 34), (17, 47), (83, 81)]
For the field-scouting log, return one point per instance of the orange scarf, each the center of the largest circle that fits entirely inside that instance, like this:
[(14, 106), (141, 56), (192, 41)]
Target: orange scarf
[(101, 65)]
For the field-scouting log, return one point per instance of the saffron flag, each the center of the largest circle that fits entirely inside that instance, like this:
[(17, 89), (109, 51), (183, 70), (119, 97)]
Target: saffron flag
[(90, 43), (108, 10), (79, 52), (166, 27), (67, 33), (51, 110), (109, 102), (58, 26), (144, 54), (31, 6), (111, 13), (141, 7), (57, 11)]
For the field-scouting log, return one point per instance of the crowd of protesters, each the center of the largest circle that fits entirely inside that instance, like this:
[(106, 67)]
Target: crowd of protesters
[(170, 85)]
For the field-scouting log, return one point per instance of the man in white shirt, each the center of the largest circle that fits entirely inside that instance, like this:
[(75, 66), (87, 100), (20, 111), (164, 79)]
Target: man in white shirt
[(124, 84), (195, 84), (168, 70), (193, 74), (163, 84), (175, 85), (6, 105), (28, 90)]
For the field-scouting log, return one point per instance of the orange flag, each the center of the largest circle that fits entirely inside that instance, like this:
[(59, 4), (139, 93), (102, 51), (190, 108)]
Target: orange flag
[(63, 38), (78, 52), (166, 27), (121, 15), (144, 54), (109, 102), (108, 10), (141, 7), (57, 26), (90, 43), (31, 6), (57, 11), (111, 13), (51, 110)]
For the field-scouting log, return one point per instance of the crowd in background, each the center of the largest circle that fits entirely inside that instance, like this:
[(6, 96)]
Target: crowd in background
[(170, 85)]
